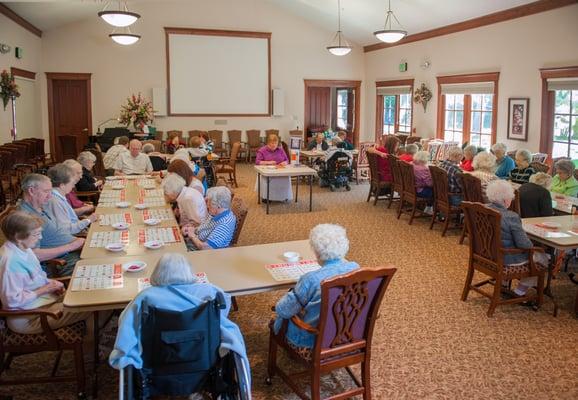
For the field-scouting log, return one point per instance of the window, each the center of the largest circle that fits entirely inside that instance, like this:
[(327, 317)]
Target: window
[(466, 105), (394, 107), (342, 101)]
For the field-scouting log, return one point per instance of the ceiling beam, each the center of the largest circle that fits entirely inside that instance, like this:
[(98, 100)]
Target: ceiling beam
[(489, 19), (6, 11)]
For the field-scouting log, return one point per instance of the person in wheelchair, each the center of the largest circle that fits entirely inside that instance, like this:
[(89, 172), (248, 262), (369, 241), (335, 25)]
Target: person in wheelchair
[(167, 334)]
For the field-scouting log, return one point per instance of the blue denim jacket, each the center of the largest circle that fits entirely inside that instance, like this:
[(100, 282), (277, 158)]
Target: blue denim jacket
[(306, 296)]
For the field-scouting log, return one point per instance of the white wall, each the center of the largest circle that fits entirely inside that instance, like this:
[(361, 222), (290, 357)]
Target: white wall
[(14, 35), (516, 48), (297, 50)]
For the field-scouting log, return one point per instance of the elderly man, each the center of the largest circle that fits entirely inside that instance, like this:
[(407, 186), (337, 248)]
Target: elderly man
[(450, 165), (56, 242), (109, 159), (192, 206), (504, 162), (134, 162), (218, 230), (318, 143)]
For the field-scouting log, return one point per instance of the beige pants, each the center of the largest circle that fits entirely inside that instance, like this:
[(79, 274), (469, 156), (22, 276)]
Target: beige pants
[(31, 324)]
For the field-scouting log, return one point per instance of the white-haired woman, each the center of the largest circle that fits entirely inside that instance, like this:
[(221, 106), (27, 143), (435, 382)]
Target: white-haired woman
[(408, 152), (504, 163), (484, 166), (500, 195), (174, 287), (217, 231), (87, 182), (535, 198), (79, 207), (192, 207), (330, 245), (469, 154), (158, 162), (564, 181), (423, 180), (523, 171)]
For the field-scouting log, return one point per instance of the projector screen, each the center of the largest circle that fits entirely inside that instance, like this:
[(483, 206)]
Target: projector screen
[(215, 72)]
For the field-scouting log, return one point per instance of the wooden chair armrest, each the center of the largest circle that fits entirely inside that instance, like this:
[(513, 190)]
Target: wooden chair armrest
[(37, 311), (304, 325), (64, 279), (514, 250), (55, 262)]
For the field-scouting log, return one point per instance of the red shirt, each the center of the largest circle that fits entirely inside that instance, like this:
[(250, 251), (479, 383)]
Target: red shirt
[(406, 157), (466, 165), (73, 200), (383, 165)]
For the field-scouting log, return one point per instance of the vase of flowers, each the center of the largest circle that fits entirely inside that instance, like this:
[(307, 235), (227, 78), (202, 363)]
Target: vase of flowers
[(137, 111), (8, 88), (422, 95)]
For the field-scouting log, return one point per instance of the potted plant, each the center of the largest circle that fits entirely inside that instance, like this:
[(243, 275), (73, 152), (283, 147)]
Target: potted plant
[(137, 111), (8, 88)]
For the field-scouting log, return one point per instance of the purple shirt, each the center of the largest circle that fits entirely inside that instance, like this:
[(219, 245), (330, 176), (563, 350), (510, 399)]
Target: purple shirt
[(422, 177), (265, 154)]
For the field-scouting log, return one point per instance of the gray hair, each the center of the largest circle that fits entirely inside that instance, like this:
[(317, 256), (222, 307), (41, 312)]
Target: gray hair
[(32, 181), (525, 154), (455, 152), (172, 269), (329, 241), (71, 163), (85, 157), (566, 166), (498, 191), (411, 148), (473, 150), (542, 179), (484, 161), (499, 147), (60, 174), (220, 196), (148, 148), (173, 184), (421, 157)]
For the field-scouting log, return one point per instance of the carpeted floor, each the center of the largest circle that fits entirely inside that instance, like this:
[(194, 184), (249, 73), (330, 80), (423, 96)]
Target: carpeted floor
[(427, 343)]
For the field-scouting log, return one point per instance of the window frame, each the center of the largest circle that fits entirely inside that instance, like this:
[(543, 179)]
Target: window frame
[(379, 104), (467, 78), (548, 105)]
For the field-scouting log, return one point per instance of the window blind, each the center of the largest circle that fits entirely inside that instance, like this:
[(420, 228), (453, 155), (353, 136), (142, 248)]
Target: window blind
[(468, 88), (393, 90), (563, 84)]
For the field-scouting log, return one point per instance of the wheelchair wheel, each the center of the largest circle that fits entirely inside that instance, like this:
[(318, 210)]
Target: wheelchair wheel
[(332, 187), (347, 187)]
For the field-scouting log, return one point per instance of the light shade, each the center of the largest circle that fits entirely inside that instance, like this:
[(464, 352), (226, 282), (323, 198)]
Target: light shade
[(339, 50), (124, 38), (119, 18), (390, 35)]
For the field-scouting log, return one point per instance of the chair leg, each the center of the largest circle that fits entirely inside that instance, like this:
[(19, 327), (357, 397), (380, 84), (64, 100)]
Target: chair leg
[(369, 194), (272, 359), (235, 179), (463, 234), (446, 224), (433, 217), (375, 195), (56, 363), (315, 385), (495, 296), (467, 286), (366, 379), (413, 210), (541, 290), (400, 206), (79, 368)]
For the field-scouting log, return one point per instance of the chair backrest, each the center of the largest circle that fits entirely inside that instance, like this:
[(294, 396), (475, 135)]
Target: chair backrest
[(397, 179), (178, 133), (217, 138), (515, 205), (159, 135), (374, 173), (296, 132), (471, 187), (234, 136), (349, 306), (156, 143), (540, 167), (286, 150), (234, 153), (441, 186), (408, 178), (3, 215), (402, 138), (483, 223), (196, 132), (254, 138), (271, 132), (240, 210), (412, 139)]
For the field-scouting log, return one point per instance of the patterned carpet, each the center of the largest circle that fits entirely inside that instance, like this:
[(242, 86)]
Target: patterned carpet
[(427, 343)]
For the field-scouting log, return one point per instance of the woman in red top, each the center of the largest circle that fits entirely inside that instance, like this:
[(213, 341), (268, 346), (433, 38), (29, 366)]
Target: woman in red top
[(388, 145), (469, 154)]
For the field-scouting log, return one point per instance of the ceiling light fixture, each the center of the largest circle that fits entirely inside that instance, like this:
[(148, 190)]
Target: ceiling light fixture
[(126, 38), (387, 34), (339, 45), (120, 18)]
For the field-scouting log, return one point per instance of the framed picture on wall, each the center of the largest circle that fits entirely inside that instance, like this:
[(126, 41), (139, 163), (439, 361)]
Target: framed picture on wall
[(518, 109)]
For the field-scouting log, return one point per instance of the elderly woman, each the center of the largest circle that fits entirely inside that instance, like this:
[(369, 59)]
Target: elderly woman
[(450, 165), (503, 161), (63, 181), (186, 170), (500, 195), (80, 208), (535, 198), (484, 165), (469, 154), (192, 207), (174, 287), (423, 180), (409, 152), (87, 182), (158, 162), (388, 145), (23, 283), (523, 171), (564, 181), (217, 231), (345, 144), (330, 245), (173, 143), (318, 143), (195, 149), (273, 154)]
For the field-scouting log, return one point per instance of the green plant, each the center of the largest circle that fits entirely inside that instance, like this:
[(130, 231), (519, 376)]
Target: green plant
[(137, 111), (8, 88)]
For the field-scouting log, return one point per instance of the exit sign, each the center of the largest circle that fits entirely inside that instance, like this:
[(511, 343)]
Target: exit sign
[(403, 67)]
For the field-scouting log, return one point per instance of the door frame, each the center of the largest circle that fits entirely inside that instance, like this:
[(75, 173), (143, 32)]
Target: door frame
[(72, 76), (355, 85)]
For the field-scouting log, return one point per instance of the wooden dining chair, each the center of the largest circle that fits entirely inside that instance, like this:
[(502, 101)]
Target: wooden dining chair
[(217, 138), (348, 311), (239, 208), (234, 136), (253, 142), (410, 197), (159, 135), (540, 167), (442, 197), (487, 257), (377, 184), (196, 132), (228, 165), (397, 180), (472, 191)]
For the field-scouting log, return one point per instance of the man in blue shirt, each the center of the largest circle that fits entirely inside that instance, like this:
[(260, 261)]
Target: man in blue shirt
[(217, 231), (503, 161), (55, 242)]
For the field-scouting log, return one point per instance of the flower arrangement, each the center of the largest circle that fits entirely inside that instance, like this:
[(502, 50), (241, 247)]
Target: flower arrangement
[(137, 111), (422, 95), (8, 87)]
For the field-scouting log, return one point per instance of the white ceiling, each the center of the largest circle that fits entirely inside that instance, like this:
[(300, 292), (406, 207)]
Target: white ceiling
[(360, 18)]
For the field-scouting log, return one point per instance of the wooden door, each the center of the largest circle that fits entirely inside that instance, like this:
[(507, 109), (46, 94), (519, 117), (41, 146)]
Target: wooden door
[(319, 101), (69, 109)]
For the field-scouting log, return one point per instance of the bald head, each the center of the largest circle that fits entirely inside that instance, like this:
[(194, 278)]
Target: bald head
[(135, 146)]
